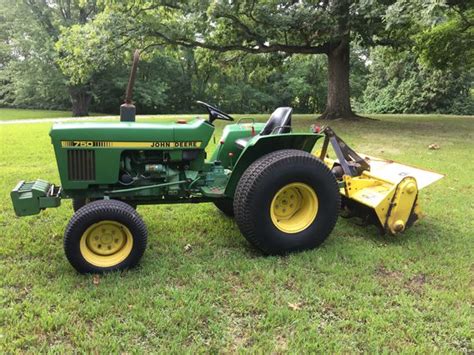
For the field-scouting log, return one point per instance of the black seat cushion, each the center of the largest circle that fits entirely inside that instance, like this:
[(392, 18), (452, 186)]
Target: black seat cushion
[(279, 122)]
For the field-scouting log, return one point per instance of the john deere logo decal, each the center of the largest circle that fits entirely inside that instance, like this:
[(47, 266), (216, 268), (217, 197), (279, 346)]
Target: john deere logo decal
[(107, 144)]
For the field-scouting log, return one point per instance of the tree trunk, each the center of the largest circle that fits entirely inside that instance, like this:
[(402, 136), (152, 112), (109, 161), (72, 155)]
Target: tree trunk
[(80, 99), (338, 104)]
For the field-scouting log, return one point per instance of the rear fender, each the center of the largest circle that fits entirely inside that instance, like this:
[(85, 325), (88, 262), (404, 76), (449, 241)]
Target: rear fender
[(262, 145), (227, 151)]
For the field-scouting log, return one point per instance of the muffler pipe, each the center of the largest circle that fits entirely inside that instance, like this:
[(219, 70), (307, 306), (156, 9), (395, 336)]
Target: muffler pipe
[(127, 109)]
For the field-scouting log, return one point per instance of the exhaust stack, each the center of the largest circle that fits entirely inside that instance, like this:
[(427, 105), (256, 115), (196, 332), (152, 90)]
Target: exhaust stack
[(127, 109)]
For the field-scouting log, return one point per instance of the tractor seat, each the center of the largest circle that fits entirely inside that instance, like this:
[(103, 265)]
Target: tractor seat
[(279, 122)]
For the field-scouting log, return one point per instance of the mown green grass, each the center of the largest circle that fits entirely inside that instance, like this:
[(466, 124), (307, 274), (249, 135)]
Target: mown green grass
[(22, 114), (358, 292)]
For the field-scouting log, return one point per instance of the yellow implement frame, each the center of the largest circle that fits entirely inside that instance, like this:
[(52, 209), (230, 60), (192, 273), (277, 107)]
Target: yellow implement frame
[(387, 189)]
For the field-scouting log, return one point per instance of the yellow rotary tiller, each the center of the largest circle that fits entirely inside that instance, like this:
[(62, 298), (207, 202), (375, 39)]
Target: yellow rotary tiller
[(381, 192)]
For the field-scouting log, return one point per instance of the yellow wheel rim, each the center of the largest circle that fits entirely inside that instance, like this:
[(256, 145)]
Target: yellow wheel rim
[(294, 207), (106, 243)]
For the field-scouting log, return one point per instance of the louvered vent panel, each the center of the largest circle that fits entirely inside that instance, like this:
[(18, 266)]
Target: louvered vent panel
[(81, 164)]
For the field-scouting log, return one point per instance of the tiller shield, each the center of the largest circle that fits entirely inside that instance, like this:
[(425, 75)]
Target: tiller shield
[(379, 191)]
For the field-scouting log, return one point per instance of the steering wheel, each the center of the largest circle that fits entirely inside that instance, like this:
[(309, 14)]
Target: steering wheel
[(215, 113)]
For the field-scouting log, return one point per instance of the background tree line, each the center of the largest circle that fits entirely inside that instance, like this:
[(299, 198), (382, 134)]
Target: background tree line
[(247, 57)]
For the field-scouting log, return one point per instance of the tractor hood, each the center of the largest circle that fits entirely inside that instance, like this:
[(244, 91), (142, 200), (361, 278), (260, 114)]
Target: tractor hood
[(111, 134)]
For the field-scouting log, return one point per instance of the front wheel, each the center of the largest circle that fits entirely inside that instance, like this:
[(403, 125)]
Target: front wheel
[(286, 201), (105, 235), (79, 202)]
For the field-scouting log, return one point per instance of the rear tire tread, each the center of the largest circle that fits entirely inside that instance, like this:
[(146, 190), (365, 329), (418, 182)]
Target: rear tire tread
[(258, 170), (225, 205)]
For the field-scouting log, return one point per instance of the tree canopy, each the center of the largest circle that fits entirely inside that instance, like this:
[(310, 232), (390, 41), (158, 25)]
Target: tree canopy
[(247, 56)]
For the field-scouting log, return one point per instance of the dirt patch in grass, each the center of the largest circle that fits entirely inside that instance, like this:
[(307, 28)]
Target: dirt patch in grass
[(416, 283), (384, 273), (397, 279)]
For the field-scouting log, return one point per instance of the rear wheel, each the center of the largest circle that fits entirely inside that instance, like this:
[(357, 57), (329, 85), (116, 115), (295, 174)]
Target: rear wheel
[(286, 201), (226, 206), (105, 235)]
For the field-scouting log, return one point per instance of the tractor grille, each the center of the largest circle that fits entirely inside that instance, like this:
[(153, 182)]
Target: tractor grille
[(81, 164)]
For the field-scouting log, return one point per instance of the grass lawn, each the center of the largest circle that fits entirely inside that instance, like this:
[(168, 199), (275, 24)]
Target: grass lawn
[(358, 292), (21, 114)]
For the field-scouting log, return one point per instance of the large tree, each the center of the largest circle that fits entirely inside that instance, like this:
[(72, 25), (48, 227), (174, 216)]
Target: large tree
[(238, 81), (266, 26), (32, 72)]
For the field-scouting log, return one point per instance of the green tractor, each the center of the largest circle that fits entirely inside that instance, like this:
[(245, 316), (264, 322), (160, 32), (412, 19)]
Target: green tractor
[(284, 197)]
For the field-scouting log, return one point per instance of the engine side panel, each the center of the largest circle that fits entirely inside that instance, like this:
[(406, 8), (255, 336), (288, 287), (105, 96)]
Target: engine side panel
[(90, 154)]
